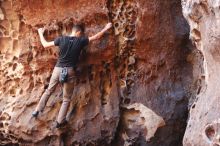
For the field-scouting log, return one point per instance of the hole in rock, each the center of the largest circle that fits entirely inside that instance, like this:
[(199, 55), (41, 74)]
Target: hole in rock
[(116, 25), (127, 101), (14, 66), (1, 125), (193, 106), (210, 132)]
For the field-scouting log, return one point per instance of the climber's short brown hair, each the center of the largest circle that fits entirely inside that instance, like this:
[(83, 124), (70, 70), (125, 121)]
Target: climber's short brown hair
[(79, 27)]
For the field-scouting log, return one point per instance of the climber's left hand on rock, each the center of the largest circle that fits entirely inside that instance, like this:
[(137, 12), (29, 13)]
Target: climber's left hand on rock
[(41, 30), (108, 26)]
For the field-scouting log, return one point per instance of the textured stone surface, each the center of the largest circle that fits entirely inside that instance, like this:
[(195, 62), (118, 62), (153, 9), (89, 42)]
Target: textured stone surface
[(144, 65), (138, 120), (203, 17)]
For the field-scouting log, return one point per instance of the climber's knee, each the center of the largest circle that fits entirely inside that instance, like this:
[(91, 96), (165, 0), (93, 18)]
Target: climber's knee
[(66, 100), (48, 91)]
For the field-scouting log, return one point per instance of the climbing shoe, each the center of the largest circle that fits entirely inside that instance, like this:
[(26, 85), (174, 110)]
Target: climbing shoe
[(35, 114), (60, 125)]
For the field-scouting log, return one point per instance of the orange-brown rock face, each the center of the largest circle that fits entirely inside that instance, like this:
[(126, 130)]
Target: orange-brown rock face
[(132, 86), (204, 124)]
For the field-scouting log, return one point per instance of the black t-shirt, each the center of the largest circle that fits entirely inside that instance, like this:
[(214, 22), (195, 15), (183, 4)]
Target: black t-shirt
[(70, 49)]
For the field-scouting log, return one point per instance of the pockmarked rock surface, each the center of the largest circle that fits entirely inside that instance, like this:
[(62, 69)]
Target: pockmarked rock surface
[(132, 86), (142, 120), (203, 123)]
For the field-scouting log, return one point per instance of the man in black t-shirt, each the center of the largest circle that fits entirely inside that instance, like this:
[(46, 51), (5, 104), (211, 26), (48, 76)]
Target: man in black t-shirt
[(70, 48)]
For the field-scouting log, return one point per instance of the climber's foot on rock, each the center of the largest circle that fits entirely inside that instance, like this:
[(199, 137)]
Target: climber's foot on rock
[(61, 125), (35, 114)]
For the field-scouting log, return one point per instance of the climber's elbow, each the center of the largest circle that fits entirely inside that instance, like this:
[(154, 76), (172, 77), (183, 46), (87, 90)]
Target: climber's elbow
[(48, 44)]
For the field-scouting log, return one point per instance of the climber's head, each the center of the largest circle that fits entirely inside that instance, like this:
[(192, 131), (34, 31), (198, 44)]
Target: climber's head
[(77, 30)]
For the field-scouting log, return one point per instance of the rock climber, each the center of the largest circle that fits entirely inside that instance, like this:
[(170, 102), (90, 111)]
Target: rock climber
[(70, 48)]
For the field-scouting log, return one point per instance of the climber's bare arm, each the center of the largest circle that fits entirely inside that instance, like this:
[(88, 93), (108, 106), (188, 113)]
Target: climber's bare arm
[(100, 34), (42, 39)]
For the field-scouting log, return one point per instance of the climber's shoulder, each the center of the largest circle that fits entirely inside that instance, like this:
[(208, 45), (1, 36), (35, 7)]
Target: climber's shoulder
[(60, 39), (84, 40)]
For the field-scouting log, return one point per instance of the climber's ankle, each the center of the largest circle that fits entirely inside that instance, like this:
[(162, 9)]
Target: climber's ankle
[(62, 124), (35, 114)]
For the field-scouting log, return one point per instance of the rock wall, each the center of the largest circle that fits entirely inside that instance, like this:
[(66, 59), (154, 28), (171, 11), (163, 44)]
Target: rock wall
[(132, 87), (203, 125)]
